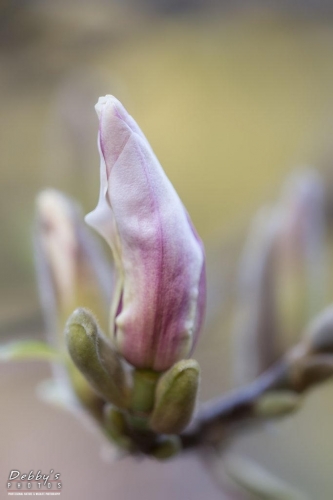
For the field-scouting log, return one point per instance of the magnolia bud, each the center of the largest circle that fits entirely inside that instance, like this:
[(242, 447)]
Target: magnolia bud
[(277, 403), (175, 398), (282, 275), (159, 299)]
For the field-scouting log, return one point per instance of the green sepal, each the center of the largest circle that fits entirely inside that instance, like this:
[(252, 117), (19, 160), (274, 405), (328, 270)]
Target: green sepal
[(83, 391), (104, 373), (115, 426), (23, 350), (175, 398), (143, 392), (168, 447)]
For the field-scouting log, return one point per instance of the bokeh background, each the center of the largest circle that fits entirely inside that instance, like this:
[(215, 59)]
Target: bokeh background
[(232, 96)]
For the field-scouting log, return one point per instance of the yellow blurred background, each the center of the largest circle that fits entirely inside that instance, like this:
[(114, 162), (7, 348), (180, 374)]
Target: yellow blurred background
[(231, 100)]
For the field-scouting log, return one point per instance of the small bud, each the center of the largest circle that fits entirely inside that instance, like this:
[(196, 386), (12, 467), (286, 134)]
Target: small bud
[(176, 394), (320, 333), (104, 373), (116, 427), (277, 403), (167, 448)]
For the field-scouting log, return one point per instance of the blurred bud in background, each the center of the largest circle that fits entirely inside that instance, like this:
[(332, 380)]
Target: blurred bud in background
[(282, 279), (71, 268), (71, 271)]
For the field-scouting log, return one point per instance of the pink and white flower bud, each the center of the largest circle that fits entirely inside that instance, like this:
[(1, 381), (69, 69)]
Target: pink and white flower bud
[(159, 299), (282, 275), (71, 268)]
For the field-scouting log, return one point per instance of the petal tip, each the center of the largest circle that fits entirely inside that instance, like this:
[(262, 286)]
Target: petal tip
[(107, 100)]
